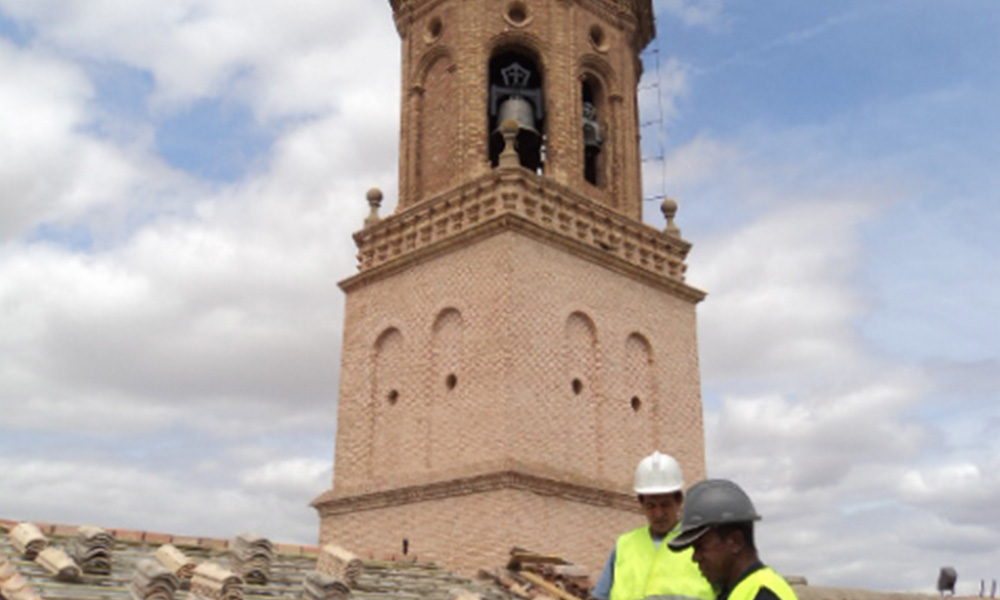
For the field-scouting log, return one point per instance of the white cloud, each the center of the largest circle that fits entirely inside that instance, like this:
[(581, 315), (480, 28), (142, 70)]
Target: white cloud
[(222, 298), (302, 476), (50, 168), (700, 13), (114, 494), (281, 58), (203, 314), (781, 302)]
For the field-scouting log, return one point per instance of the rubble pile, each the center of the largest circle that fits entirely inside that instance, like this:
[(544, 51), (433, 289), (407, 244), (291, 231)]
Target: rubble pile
[(530, 575)]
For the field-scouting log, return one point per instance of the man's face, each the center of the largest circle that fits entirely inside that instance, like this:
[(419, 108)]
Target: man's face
[(714, 556), (662, 511)]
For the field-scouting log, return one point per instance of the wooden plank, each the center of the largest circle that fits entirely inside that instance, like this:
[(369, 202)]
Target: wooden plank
[(521, 558), (551, 589)]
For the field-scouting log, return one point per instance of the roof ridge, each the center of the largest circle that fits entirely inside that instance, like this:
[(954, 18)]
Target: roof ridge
[(142, 535)]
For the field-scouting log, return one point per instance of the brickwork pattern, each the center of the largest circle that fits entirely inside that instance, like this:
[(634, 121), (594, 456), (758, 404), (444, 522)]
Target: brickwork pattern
[(477, 531), (514, 394)]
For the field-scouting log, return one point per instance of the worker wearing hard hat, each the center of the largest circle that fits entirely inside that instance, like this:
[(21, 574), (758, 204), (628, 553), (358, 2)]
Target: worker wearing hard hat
[(641, 563), (717, 523)]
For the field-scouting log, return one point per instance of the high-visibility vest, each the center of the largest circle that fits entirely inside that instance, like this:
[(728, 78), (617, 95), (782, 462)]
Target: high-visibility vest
[(642, 569), (764, 577)]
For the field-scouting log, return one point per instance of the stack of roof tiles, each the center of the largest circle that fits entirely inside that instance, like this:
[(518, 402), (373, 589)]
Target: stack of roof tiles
[(214, 582), (92, 550), (318, 586), (12, 585), (152, 581), (340, 564), (176, 562), (59, 564), (25, 579), (251, 556), (28, 540)]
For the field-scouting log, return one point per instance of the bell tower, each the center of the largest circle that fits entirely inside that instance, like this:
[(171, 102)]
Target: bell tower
[(515, 339)]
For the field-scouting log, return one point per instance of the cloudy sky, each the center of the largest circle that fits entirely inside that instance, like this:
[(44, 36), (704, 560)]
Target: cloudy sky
[(179, 181)]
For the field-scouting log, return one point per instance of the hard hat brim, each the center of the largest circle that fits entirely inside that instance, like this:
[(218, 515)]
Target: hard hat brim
[(686, 538), (653, 490)]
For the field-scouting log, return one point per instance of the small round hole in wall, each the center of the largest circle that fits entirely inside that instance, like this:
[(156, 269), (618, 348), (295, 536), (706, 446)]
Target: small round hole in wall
[(517, 13), (392, 396), (636, 403), (434, 29), (451, 381), (597, 38), (577, 386)]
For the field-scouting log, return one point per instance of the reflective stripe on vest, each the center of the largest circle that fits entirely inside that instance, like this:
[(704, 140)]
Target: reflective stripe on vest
[(642, 569), (763, 577)]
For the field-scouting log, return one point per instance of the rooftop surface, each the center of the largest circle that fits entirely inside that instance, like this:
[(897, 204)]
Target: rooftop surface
[(391, 578)]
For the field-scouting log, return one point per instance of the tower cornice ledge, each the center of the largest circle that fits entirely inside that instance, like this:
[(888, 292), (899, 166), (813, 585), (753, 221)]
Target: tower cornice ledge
[(515, 199), (638, 13), (513, 475)]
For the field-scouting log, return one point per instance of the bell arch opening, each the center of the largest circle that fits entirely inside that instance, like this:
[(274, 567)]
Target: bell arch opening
[(593, 108), (516, 94)]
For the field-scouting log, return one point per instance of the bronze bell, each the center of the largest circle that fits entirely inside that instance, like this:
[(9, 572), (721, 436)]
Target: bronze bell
[(519, 110), (529, 141), (592, 139)]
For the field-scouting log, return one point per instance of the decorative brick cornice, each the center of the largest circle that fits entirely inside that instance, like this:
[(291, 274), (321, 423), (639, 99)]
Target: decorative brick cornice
[(508, 199), (639, 14), (334, 503)]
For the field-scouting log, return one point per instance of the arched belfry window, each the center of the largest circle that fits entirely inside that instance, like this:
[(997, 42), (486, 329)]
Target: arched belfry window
[(592, 110), (516, 95)]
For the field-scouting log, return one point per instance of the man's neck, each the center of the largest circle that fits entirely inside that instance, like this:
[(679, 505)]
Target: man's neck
[(745, 563)]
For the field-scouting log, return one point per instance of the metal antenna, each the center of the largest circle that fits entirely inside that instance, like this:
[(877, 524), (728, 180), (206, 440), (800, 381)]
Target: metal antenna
[(657, 121)]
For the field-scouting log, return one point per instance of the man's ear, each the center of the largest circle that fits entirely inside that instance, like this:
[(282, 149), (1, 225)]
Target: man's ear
[(735, 540)]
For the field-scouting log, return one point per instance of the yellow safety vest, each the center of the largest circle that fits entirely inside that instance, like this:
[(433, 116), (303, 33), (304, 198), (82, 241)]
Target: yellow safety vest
[(642, 569), (763, 577)]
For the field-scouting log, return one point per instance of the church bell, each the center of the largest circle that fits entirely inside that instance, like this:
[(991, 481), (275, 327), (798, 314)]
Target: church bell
[(514, 99), (592, 139), (529, 141)]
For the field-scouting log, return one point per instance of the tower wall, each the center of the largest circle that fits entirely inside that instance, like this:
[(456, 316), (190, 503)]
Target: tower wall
[(551, 359), (516, 339), (473, 531)]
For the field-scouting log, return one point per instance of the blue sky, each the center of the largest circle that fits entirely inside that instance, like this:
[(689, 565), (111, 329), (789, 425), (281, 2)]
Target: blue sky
[(180, 182)]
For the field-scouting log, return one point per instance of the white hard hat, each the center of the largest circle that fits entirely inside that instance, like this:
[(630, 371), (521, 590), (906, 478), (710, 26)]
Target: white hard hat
[(658, 474)]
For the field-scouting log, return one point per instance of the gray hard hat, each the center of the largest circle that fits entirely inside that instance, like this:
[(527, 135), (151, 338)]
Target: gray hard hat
[(709, 503)]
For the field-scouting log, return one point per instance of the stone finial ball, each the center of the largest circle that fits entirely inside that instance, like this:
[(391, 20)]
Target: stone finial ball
[(374, 195), (669, 207)]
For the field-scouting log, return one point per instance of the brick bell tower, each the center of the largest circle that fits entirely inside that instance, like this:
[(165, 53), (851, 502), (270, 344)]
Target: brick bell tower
[(516, 339)]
